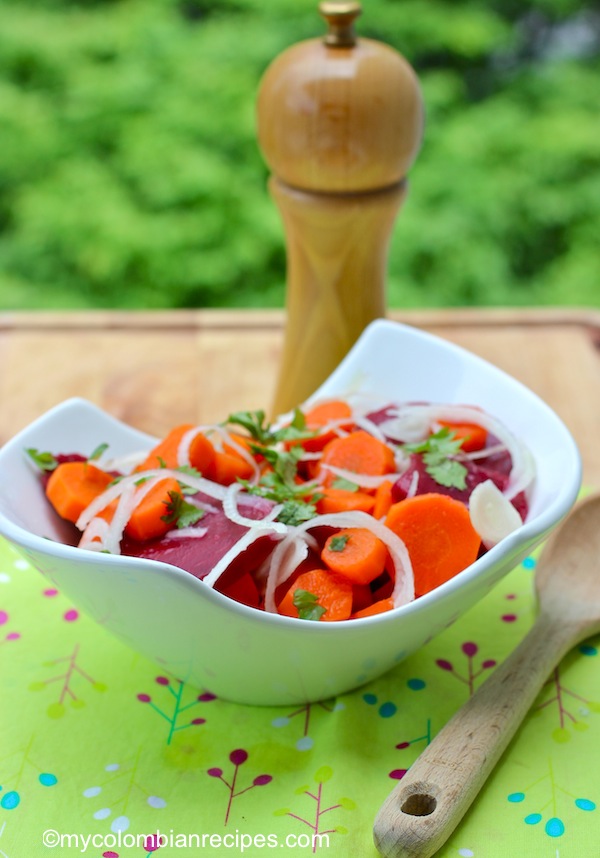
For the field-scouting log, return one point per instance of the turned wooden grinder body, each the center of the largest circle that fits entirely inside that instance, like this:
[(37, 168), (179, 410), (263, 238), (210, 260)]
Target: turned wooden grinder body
[(339, 124)]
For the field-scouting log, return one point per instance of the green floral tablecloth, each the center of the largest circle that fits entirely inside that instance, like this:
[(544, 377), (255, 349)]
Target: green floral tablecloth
[(99, 750)]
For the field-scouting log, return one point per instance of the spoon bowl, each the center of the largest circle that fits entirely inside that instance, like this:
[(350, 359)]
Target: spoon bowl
[(424, 809)]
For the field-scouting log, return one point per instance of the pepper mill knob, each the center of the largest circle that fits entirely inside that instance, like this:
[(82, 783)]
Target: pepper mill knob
[(340, 17), (339, 123)]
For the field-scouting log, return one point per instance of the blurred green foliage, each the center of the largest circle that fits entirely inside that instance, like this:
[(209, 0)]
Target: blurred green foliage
[(130, 174)]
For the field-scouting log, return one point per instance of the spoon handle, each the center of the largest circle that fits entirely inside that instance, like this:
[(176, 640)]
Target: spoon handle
[(428, 803)]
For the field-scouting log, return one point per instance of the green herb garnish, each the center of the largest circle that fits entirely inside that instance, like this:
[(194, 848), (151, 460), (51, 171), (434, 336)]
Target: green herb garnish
[(263, 433), (180, 512), (44, 461), (100, 449), (294, 512), (346, 485), (280, 485), (438, 451), (307, 605), (191, 472), (338, 543)]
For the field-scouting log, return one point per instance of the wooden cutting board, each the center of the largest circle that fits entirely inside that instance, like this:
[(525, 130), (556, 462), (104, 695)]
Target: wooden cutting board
[(154, 368)]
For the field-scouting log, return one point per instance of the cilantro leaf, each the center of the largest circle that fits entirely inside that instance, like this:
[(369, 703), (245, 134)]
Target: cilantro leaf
[(438, 451), (284, 463), (295, 430), (296, 511), (180, 512), (254, 423), (100, 449), (44, 461), (280, 484), (191, 472), (449, 473), (346, 485), (264, 434), (442, 443), (308, 605), (339, 542)]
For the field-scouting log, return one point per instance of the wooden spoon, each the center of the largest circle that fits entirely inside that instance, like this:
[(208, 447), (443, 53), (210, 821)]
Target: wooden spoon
[(428, 803)]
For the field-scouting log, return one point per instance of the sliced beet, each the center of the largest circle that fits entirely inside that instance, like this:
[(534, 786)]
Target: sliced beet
[(426, 483), (198, 555), (476, 474), (382, 414)]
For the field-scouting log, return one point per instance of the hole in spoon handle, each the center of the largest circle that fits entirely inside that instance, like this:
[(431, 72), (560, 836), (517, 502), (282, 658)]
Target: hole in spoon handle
[(419, 804)]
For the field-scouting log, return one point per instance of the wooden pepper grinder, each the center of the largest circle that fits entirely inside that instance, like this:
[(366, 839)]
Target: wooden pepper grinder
[(339, 124)]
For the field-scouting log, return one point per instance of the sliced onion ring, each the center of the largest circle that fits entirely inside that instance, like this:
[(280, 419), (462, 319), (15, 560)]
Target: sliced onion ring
[(492, 514), (404, 588)]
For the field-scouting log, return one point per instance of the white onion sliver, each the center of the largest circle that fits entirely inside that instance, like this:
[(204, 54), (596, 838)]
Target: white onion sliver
[(201, 504), (492, 514), (367, 481), (125, 463), (128, 500), (414, 485), (94, 535), (230, 508), (310, 457), (246, 455), (371, 427), (484, 452), (186, 533), (183, 450), (406, 427), (201, 484), (244, 542), (522, 472), (286, 558), (404, 590)]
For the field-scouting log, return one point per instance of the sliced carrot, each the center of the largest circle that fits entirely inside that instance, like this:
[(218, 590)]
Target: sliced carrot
[(240, 441), (343, 500), (147, 519), (332, 593), (379, 607), (166, 452), (359, 452), (383, 499), (438, 535), (473, 436), (355, 553), (322, 414), (226, 468), (201, 453), (72, 487), (327, 411)]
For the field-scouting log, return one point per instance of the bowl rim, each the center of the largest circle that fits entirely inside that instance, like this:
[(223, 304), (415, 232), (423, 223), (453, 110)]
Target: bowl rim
[(530, 534)]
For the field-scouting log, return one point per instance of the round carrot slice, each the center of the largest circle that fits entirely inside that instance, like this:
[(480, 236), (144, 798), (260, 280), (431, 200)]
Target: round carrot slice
[(319, 595), (356, 554), (438, 535)]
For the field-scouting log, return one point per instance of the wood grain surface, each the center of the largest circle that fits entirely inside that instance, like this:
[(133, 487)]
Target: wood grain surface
[(155, 368)]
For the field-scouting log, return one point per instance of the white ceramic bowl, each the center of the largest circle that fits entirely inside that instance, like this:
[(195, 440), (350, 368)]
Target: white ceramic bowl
[(246, 655)]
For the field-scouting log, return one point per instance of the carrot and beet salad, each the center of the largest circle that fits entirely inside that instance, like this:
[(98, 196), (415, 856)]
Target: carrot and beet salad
[(337, 512)]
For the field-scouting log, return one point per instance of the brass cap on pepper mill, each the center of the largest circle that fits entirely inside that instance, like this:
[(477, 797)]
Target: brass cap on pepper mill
[(340, 17), (340, 113)]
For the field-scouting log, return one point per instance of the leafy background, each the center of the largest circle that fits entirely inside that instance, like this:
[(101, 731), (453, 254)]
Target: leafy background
[(130, 174)]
